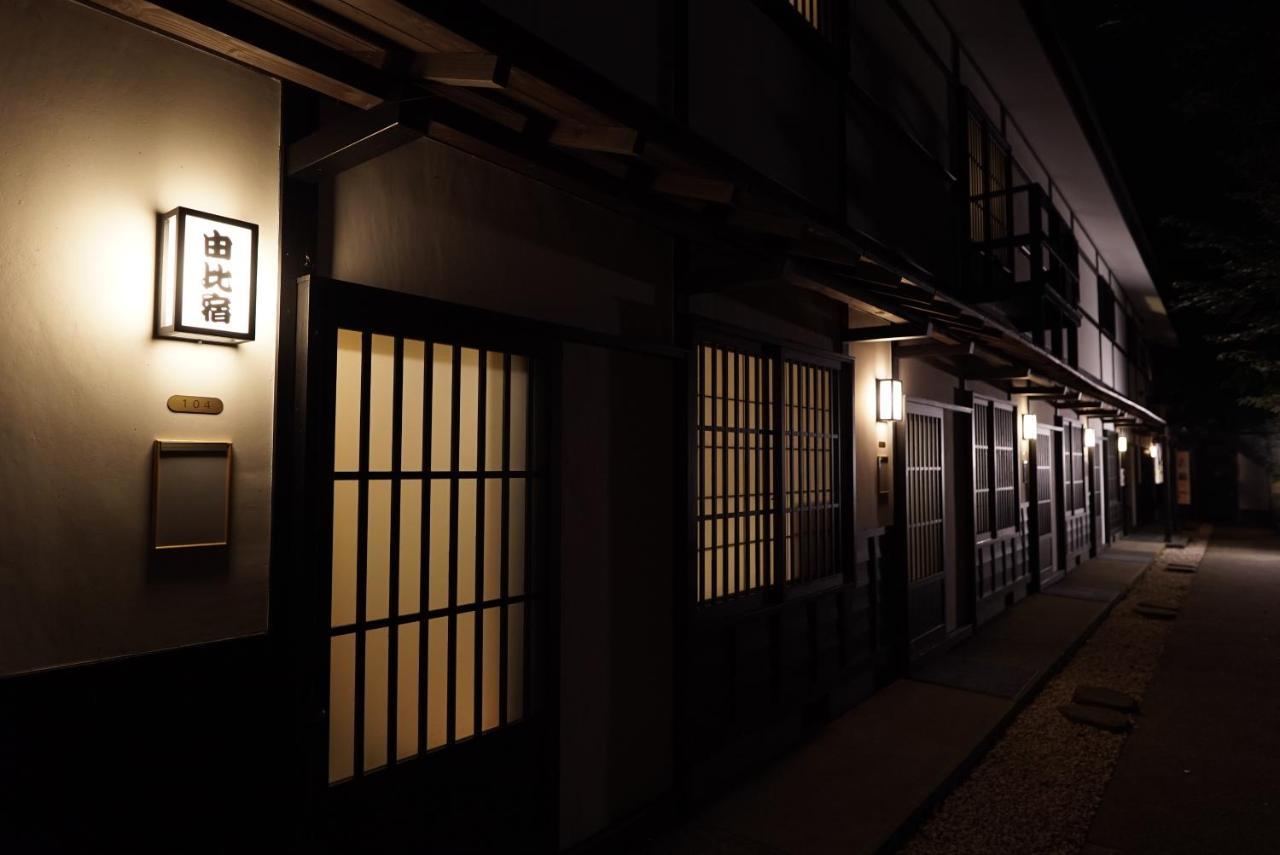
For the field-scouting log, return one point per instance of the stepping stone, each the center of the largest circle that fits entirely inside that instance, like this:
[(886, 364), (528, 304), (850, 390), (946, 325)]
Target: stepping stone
[(1100, 696), (1152, 610), (1100, 717), (1180, 568)]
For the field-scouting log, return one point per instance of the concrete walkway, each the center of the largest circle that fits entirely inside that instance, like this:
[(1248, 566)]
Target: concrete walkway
[(860, 783), (1201, 771)]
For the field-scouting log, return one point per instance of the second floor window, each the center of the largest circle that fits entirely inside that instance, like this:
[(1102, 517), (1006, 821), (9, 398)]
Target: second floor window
[(1106, 307), (989, 168), (812, 11)]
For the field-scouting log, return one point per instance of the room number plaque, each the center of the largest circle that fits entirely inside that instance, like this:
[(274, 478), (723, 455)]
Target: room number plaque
[(192, 404)]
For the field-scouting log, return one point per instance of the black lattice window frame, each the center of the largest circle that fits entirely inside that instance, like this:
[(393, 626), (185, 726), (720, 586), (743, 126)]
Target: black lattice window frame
[(839, 372)]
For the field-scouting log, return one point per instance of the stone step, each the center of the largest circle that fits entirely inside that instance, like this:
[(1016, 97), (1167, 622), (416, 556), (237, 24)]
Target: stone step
[(1100, 717), (1100, 696), (1180, 568), (1153, 610)]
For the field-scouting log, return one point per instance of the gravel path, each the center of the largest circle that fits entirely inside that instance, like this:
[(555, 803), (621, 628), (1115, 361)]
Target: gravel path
[(1037, 789)]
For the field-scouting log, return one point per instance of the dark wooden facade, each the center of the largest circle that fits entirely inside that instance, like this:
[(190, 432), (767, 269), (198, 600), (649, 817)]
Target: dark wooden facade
[(639, 197)]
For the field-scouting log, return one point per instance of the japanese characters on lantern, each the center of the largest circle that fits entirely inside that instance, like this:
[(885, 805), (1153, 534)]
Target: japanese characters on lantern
[(207, 284)]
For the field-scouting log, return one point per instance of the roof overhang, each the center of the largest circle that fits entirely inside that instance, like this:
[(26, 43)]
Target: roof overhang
[(1037, 86)]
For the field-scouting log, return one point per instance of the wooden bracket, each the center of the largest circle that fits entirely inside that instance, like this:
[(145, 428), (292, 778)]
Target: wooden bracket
[(472, 70), (890, 332), (353, 140)]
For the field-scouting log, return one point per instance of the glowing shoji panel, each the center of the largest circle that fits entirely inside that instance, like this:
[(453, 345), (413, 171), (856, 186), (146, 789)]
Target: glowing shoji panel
[(432, 567)]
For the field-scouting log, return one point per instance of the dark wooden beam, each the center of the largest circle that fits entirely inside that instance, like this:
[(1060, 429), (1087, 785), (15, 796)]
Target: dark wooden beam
[(612, 139), (353, 140), (324, 26), (713, 279), (400, 24), (803, 275), (700, 188), (1006, 373), (1039, 392), (246, 38), (890, 332), (471, 70), (937, 349)]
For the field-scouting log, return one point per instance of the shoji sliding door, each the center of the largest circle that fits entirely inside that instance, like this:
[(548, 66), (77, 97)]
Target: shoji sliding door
[(426, 495), (429, 584)]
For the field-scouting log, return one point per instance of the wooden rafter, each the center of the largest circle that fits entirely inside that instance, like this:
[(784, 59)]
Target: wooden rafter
[(249, 39), (889, 332), (401, 25), (471, 70)]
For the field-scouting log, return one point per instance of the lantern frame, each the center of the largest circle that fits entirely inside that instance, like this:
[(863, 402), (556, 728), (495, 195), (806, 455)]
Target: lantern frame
[(170, 262)]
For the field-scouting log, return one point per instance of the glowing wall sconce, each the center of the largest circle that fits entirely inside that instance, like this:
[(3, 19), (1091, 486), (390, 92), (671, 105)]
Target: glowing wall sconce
[(207, 282), (1153, 450), (1122, 443), (1029, 426), (889, 400), (1090, 438)]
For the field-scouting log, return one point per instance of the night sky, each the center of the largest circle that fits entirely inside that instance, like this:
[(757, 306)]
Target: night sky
[(1188, 97)]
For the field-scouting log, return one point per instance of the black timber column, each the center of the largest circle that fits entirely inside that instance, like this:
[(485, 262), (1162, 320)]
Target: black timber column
[(1091, 501), (1169, 485), (966, 556), (1033, 512), (896, 624), (1061, 483), (296, 711)]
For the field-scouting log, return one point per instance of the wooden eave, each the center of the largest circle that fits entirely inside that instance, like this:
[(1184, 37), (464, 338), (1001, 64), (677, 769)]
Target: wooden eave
[(463, 76)]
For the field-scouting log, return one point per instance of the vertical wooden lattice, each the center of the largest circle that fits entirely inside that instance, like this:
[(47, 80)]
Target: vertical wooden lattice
[(812, 11), (1077, 467), (925, 508), (741, 445), (1044, 498), (1115, 504), (433, 577), (736, 446), (1004, 430), (977, 181), (982, 469), (811, 450)]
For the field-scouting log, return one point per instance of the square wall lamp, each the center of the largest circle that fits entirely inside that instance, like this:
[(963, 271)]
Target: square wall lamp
[(1029, 426), (207, 281), (1122, 443), (889, 400), (1090, 438)]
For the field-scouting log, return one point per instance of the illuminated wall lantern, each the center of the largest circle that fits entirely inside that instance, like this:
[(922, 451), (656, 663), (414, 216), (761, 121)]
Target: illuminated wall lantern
[(1153, 450), (1029, 426), (207, 284), (1122, 443), (889, 400), (1090, 438)]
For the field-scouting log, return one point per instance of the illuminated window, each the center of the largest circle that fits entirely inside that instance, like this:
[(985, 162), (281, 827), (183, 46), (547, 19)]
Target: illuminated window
[(1073, 467), (989, 177), (434, 578), (995, 469), (1004, 422), (812, 11), (757, 454), (982, 496)]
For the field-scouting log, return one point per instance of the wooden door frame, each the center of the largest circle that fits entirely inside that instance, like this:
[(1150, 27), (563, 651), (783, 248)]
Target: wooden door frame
[(1046, 432), (1061, 461), (904, 639), (303, 628)]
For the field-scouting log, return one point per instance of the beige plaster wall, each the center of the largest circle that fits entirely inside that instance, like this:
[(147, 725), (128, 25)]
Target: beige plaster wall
[(102, 125)]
